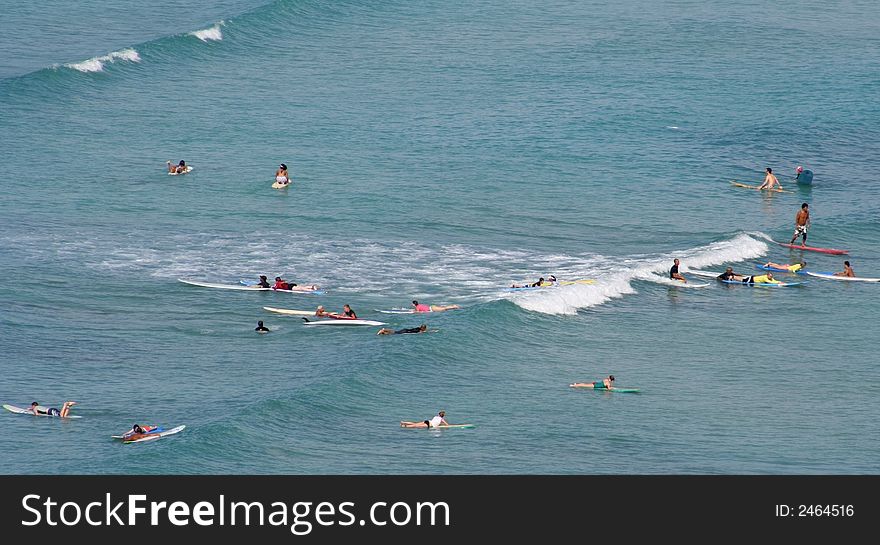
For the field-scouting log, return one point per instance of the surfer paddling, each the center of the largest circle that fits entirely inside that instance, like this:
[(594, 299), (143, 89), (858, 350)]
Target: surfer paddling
[(283, 285), (604, 384), (421, 307), (728, 274), (790, 268), (386, 331), (436, 422), (801, 224), (138, 430), (38, 409), (539, 284)]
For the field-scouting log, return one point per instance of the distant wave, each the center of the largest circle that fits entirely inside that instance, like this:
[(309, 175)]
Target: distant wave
[(96, 64), (209, 34)]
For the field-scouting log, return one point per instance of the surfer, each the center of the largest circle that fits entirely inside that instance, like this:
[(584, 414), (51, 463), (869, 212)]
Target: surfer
[(770, 181), (673, 272), (264, 282), (179, 168), (540, 283), (38, 409), (421, 329), (280, 284), (432, 308), (321, 312), (281, 176), (604, 384), (137, 429), (348, 313), (791, 268), (801, 224), (437, 421), (761, 279), (847, 270), (730, 275), (261, 328)]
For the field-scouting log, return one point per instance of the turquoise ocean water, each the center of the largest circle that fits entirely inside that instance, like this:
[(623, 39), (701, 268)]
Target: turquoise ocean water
[(439, 151)]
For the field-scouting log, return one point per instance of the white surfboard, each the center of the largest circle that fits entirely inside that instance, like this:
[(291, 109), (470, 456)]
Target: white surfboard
[(223, 286), (830, 276), (290, 311), (704, 274), (338, 322)]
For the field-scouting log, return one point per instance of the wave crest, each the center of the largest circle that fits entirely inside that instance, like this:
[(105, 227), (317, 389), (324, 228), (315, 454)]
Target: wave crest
[(209, 34), (96, 64)]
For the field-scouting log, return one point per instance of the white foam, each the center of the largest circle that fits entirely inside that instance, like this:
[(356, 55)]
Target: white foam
[(209, 34), (398, 271), (616, 281), (96, 64)]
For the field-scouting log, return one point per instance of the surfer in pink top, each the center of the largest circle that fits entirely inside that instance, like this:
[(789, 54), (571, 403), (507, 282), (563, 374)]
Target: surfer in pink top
[(421, 307)]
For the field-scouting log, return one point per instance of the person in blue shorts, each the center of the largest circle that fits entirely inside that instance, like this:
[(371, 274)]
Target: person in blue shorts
[(38, 409)]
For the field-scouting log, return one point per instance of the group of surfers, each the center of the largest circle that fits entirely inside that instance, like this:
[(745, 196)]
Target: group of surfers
[(728, 274), (39, 410), (802, 218), (349, 314), (281, 175)]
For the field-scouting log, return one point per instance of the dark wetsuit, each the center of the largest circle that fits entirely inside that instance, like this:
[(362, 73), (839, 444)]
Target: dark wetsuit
[(350, 314), (264, 284), (673, 271), (409, 330), (727, 276), (261, 328)]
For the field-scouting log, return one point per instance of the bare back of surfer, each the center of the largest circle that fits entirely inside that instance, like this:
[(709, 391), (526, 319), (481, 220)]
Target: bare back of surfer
[(770, 181)]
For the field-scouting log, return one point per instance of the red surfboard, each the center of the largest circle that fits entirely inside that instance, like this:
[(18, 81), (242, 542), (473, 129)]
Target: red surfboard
[(812, 249)]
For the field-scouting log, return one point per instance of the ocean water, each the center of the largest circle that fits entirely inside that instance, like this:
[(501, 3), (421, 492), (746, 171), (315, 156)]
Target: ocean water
[(439, 152)]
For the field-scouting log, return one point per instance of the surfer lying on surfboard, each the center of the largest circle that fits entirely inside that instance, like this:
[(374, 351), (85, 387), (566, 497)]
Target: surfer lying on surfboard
[(432, 308), (38, 409), (761, 279), (138, 430), (540, 283), (606, 383), (386, 331), (730, 275), (436, 422), (791, 268), (283, 285)]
